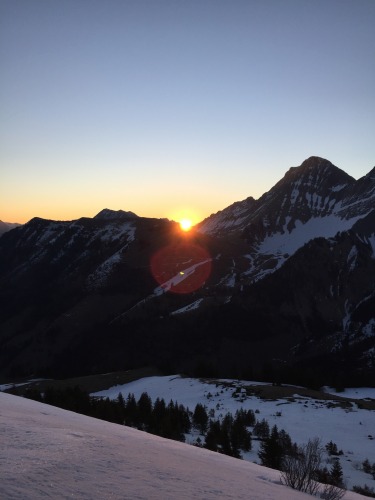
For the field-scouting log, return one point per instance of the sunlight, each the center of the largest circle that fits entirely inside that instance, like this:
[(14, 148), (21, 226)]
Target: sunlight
[(185, 224)]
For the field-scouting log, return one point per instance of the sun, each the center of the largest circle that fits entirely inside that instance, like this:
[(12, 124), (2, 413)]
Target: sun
[(185, 224)]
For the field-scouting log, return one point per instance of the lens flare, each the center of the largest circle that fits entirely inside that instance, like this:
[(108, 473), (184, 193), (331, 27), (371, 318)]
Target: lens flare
[(181, 268), (185, 224)]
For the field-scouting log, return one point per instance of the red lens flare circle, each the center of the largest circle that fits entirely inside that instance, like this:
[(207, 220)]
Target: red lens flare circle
[(181, 268)]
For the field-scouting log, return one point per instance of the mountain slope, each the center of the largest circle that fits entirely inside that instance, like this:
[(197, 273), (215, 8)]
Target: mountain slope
[(47, 451), (285, 281), (313, 200)]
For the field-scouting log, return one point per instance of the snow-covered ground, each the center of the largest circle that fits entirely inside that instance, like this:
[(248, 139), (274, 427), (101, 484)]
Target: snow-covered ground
[(302, 418), (47, 452)]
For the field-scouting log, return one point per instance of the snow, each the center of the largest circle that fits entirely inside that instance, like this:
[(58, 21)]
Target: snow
[(340, 187), (229, 280), (49, 452), (371, 242), (101, 273), (224, 222), (279, 246), (303, 418), (286, 242), (352, 257), (50, 234), (110, 233), (369, 329), (179, 277), (114, 232), (189, 307)]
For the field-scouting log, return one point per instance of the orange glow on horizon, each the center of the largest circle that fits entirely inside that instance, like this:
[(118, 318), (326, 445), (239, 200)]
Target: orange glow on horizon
[(185, 224)]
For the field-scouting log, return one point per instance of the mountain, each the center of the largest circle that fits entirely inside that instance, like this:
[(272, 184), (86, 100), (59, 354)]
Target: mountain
[(48, 451), (115, 214), (268, 288), (7, 226), (316, 199)]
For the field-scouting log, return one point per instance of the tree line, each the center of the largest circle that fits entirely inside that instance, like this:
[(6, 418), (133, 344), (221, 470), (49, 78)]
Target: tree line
[(170, 420)]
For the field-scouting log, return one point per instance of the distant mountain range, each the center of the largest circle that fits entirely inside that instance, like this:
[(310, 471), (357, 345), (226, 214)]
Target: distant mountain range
[(7, 226), (279, 287)]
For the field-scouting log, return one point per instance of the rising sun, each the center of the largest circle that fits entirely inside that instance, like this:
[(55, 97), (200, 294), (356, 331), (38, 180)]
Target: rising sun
[(185, 224)]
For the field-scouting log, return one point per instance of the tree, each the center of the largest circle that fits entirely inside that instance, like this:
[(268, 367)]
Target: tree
[(332, 449), (144, 411), (262, 429), (212, 438), (335, 475), (131, 411), (331, 492), (200, 418), (240, 436), (366, 466), (300, 471), (121, 400), (271, 451), (225, 437), (246, 417), (364, 490)]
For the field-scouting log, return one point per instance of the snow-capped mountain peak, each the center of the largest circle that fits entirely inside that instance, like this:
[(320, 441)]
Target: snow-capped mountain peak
[(316, 199)]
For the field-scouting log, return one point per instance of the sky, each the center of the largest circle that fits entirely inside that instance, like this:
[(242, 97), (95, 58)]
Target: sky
[(177, 108)]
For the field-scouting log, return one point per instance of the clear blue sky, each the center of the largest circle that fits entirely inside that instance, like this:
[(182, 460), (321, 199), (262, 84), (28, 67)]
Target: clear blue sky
[(165, 107)]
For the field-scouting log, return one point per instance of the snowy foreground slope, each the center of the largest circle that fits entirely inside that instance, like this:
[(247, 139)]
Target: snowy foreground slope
[(53, 453), (301, 416)]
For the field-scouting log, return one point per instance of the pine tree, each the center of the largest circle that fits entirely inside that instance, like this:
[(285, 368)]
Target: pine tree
[(200, 418), (144, 411), (271, 452), (131, 411), (121, 400), (240, 436), (212, 438), (225, 437), (262, 429), (335, 474)]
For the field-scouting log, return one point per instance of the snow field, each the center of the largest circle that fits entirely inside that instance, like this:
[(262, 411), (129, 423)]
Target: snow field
[(304, 418), (47, 452)]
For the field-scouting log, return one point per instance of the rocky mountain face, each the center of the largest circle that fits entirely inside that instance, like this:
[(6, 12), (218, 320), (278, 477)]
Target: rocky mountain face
[(269, 288), (316, 199)]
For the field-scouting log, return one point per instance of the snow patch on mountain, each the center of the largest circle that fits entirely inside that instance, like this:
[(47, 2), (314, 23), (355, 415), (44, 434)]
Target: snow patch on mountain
[(189, 307), (371, 242), (290, 241), (223, 223), (352, 257), (336, 189), (369, 329), (114, 232), (179, 278), (50, 234), (229, 280), (100, 275)]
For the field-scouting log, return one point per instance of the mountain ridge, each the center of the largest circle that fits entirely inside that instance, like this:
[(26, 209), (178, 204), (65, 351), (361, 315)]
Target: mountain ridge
[(69, 286)]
